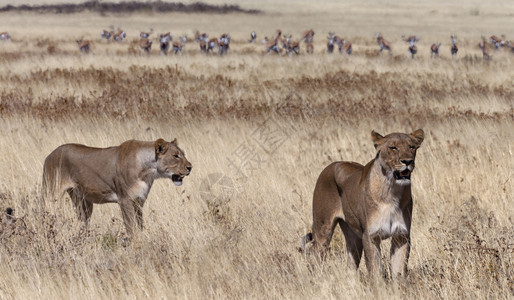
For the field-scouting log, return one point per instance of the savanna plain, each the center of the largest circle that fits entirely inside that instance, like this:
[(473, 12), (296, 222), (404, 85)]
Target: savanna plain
[(258, 130)]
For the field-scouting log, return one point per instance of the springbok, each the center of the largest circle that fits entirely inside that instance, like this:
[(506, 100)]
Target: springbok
[(223, 44), (200, 36), (145, 35), (165, 40), (497, 41), (413, 50), (203, 44), (383, 44), (253, 36), (119, 36), (83, 45), (145, 45), (106, 34), (5, 36), (345, 46), (411, 39), (434, 50), (211, 44), (332, 39), (454, 48), (290, 46), (177, 47), (308, 38), (485, 51), (272, 45)]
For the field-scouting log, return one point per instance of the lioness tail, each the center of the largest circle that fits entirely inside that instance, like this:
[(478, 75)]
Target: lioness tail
[(304, 241)]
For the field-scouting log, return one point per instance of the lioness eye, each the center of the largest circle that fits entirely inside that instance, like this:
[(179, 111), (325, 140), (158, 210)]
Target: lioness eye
[(412, 147), (393, 148), (176, 156)]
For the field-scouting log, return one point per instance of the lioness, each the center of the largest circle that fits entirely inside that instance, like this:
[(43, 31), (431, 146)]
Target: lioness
[(123, 174), (370, 203)]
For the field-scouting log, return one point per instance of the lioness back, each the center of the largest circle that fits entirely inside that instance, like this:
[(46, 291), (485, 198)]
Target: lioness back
[(62, 167)]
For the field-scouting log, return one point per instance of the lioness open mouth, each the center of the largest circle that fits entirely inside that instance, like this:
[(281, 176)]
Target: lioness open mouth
[(405, 174), (177, 179)]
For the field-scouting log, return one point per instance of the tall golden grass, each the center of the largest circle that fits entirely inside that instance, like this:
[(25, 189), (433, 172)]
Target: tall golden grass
[(232, 229)]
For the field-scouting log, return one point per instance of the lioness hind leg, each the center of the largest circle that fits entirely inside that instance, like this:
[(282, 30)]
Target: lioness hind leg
[(83, 207), (322, 236), (353, 245)]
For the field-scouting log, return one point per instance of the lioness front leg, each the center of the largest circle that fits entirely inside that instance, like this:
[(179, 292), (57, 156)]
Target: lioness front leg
[(353, 245), (138, 208), (400, 248), (372, 254), (129, 216)]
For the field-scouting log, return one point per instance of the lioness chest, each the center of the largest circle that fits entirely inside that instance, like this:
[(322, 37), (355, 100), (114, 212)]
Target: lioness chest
[(386, 221)]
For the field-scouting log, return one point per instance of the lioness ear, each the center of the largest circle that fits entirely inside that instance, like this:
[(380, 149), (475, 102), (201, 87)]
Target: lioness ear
[(376, 138), (161, 146), (418, 136), (175, 142)]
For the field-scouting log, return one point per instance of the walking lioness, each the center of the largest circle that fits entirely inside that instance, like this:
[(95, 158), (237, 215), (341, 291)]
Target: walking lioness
[(123, 174), (370, 203)]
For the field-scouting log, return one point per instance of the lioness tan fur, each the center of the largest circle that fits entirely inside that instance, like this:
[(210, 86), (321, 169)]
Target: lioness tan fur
[(370, 203), (122, 174)]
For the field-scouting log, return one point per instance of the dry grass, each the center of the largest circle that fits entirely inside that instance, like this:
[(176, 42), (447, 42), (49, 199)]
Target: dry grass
[(237, 238)]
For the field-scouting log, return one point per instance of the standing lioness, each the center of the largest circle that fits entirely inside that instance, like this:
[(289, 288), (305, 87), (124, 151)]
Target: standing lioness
[(370, 203), (123, 174)]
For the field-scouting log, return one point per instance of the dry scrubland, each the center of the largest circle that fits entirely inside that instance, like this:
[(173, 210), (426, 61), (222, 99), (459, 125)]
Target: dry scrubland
[(239, 238)]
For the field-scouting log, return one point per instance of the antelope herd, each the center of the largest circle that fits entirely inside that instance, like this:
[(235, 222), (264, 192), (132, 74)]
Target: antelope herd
[(290, 46)]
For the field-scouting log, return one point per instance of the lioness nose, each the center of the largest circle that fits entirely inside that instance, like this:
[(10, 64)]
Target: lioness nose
[(407, 161), (189, 169)]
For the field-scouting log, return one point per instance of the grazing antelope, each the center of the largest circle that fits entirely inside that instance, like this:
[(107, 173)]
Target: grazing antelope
[(83, 45), (485, 51), (253, 36), (345, 46), (106, 34), (454, 48), (413, 50), (145, 35), (332, 39), (272, 45), (119, 36), (411, 39), (203, 44), (200, 36), (383, 44), (290, 46), (177, 47), (497, 42), (211, 44), (5, 36), (308, 38), (145, 45), (165, 40), (434, 50), (223, 44)]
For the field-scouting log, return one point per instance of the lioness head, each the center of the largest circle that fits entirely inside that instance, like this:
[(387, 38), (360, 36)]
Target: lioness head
[(171, 161), (396, 153)]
